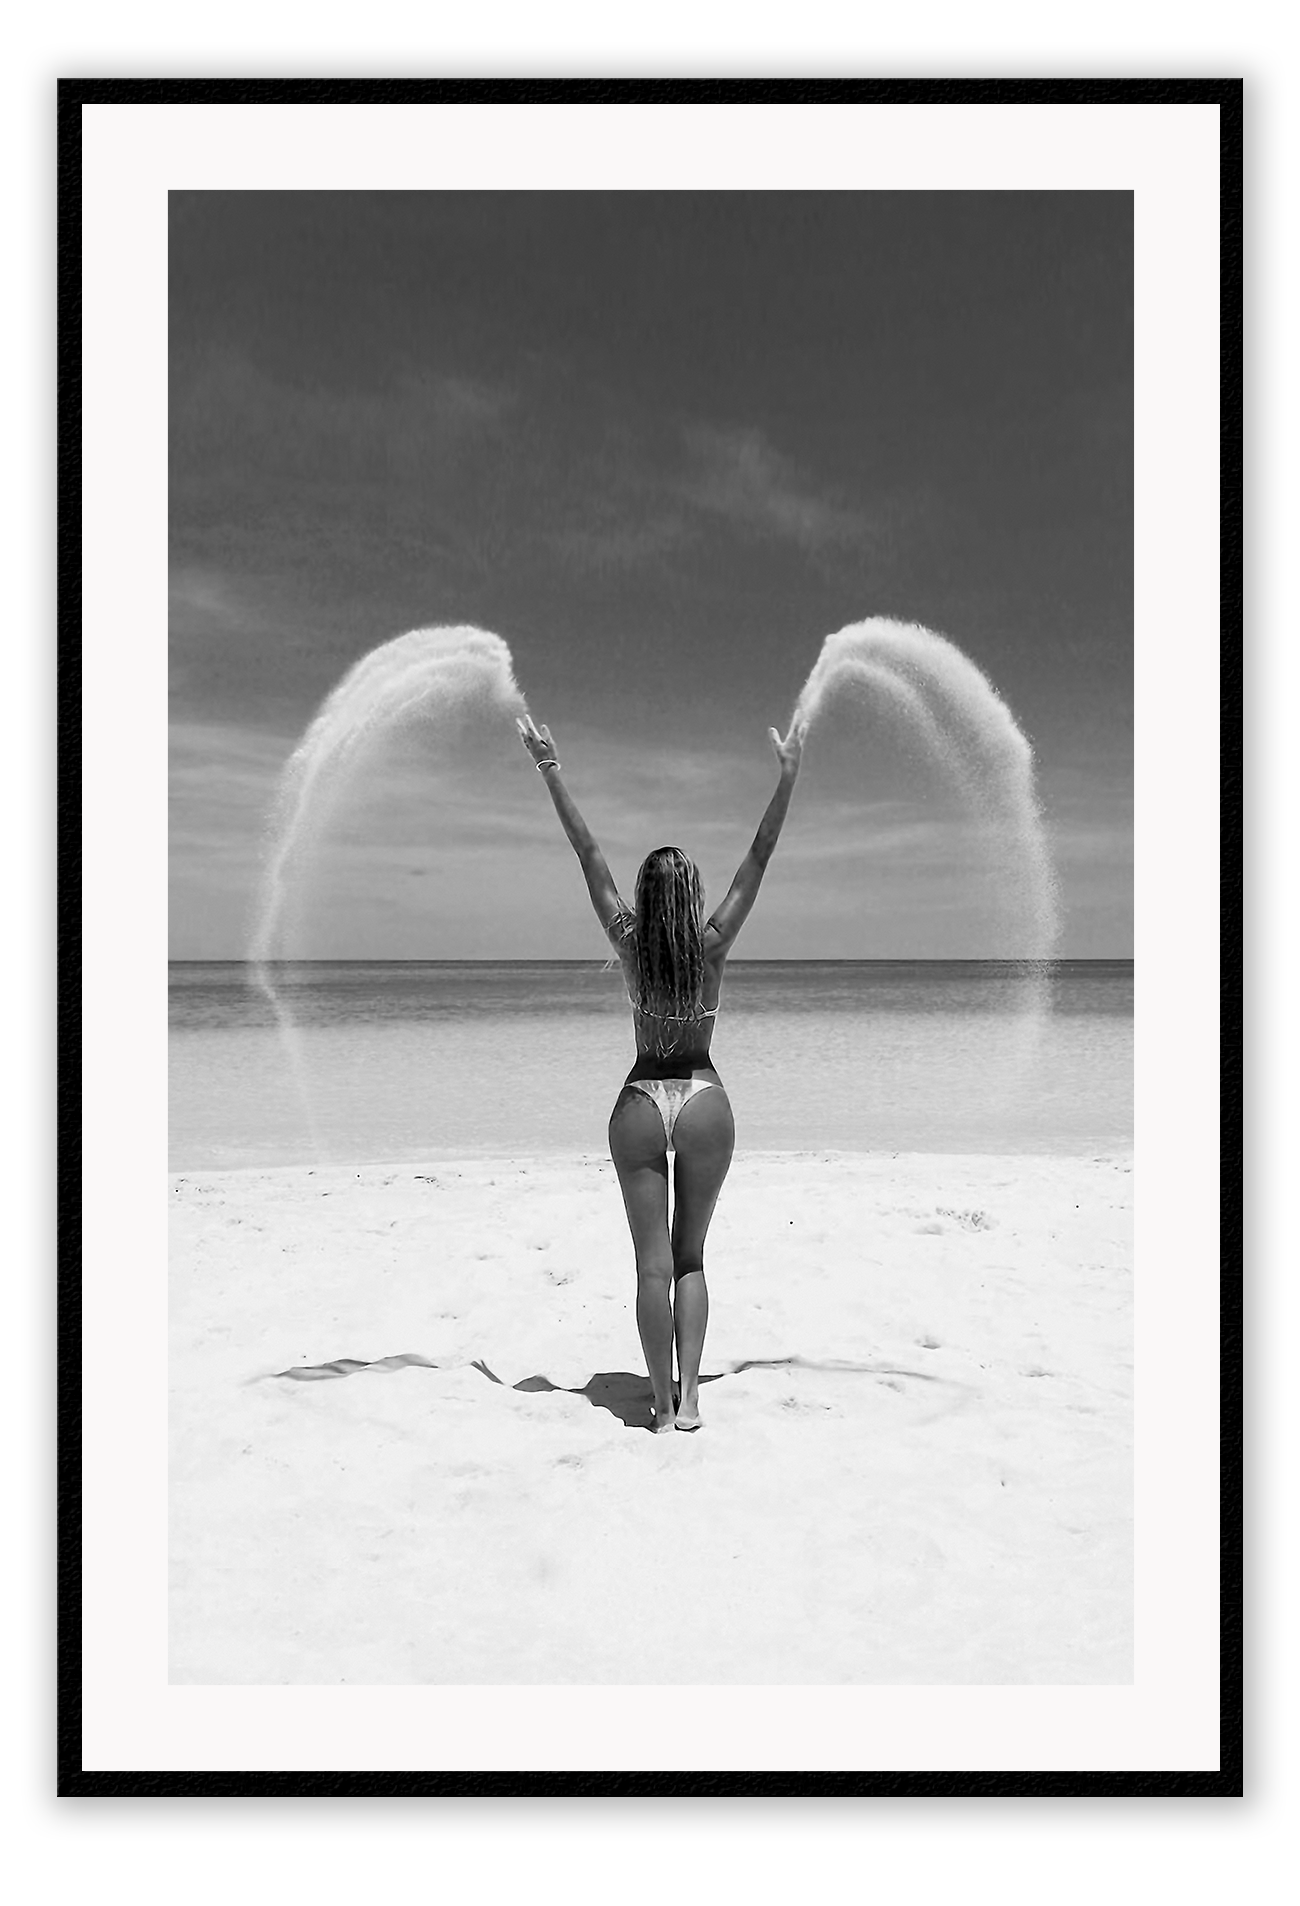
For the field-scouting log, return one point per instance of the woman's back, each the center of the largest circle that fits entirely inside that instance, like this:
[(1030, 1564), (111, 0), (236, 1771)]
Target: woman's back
[(682, 1035)]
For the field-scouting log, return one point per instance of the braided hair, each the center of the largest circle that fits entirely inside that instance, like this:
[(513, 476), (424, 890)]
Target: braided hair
[(669, 934)]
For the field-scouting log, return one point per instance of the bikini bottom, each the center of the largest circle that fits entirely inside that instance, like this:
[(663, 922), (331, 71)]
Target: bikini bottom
[(670, 1095)]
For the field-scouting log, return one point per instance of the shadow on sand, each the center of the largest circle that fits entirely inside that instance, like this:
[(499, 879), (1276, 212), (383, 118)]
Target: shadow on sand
[(622, 1392)]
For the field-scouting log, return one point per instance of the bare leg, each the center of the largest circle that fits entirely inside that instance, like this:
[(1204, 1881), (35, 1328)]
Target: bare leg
[(654, 1322), (636, 1143), (690, 1321), (704, 1136)]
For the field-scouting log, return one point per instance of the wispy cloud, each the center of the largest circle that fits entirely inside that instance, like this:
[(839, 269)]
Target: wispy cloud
[(225, 403), (206, 603), (711, 480), (737, 474)]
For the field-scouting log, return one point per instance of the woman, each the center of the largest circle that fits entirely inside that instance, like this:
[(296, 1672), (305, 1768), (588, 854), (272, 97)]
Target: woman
[(672, 1100)]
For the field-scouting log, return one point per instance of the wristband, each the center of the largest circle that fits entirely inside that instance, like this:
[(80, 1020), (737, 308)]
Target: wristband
[(545, 764)]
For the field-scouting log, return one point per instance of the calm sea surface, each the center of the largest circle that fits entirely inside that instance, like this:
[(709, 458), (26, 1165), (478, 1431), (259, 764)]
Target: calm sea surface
[(408, 1060)]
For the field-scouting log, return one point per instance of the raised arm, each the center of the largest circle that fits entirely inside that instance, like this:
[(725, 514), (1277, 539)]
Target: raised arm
[(727, 920), (600, 882)]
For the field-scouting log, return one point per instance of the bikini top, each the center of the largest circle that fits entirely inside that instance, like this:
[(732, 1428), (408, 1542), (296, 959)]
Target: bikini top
[(677, 1019), (695, 1018), (671, 1035)]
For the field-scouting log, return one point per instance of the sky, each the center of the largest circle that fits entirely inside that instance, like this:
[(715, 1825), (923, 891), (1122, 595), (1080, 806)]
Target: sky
[(662, 444)]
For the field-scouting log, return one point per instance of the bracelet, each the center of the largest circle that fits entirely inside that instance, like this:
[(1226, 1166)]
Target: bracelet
[(545, 764)]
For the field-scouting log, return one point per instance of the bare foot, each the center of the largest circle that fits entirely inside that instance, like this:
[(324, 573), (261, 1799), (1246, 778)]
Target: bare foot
[(688, 1414), (661, 1424)]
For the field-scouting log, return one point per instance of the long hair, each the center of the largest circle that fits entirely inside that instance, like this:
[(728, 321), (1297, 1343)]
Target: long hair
[(669, 934)]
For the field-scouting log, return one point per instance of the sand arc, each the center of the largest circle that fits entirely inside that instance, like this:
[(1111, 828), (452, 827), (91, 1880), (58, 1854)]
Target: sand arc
[(942, 700), (438, 676)]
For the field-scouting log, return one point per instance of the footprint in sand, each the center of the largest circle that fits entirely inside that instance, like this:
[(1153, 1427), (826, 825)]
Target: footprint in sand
[(968, 1220)]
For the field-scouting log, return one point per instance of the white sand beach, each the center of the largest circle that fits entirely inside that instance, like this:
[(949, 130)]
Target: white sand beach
[(915, 1464)]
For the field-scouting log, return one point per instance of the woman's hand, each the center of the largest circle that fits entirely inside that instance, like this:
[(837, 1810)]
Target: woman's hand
[(537, 740), (790, 751)]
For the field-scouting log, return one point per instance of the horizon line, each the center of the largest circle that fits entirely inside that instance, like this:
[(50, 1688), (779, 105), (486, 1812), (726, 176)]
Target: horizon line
[(888, 959)]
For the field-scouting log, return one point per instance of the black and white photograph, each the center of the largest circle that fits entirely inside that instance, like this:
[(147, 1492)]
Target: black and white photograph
[(651, 738)]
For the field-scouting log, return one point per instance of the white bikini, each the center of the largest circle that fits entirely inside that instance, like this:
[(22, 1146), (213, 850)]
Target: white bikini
[(670, 1095)]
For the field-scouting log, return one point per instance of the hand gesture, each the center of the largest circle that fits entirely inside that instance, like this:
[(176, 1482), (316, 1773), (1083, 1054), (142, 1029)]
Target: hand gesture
[(790, 751), (537, 740)]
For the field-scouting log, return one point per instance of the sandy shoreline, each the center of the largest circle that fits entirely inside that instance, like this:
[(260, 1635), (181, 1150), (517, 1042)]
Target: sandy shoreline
[(916, 1465)]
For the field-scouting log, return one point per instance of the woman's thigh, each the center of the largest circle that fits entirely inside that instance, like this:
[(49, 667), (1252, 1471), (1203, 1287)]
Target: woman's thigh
[(704, 1138), (636, 1144)]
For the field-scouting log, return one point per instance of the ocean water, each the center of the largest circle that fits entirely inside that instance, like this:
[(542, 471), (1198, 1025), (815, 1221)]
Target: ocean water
[(410, 1060)]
